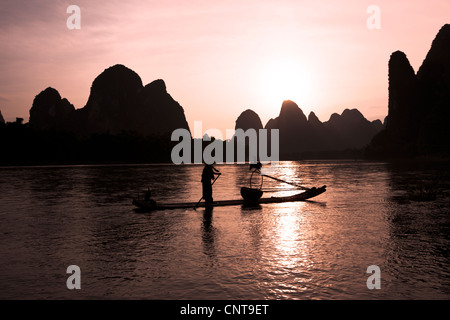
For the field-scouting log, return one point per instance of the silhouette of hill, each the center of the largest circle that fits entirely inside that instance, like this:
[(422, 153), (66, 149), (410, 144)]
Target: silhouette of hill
[(293, 127), (111, 103), (303, 137), (2, 121), (157, 111), (123, 121), (50, 112), (351, 130), (118, 102), (248, 119), (418, 121)]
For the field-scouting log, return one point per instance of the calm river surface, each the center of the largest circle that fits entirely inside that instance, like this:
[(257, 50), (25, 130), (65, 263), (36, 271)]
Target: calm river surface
[(54, 217)]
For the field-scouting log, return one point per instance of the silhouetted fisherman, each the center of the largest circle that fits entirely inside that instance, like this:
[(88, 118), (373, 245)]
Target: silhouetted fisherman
[(207, 176)]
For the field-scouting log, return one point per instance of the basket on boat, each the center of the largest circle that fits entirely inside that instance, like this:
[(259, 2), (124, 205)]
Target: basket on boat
[(251, 194)]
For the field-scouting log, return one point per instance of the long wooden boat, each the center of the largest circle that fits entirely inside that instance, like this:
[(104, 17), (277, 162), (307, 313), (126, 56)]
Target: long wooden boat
[(152, 205)]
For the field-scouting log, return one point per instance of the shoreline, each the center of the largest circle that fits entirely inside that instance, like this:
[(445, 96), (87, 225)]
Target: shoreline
[(429, 160)]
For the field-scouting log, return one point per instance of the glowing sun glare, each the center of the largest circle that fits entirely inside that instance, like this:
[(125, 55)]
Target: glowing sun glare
[(285, 79)]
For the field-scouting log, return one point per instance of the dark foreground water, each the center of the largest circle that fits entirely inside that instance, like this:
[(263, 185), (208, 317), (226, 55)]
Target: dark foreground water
[(54, 217)]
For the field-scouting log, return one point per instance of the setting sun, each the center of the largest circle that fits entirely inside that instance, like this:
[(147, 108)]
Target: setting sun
[(286, 79)]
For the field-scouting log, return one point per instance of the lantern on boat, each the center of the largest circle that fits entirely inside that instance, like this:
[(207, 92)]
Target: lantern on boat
[(254, 192)]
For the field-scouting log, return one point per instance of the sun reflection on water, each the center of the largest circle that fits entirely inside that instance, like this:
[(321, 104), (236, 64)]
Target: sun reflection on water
[(289, 262), (288, 172)]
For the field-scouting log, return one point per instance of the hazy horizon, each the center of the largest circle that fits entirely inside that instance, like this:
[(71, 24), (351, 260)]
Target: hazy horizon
[(217, 59)]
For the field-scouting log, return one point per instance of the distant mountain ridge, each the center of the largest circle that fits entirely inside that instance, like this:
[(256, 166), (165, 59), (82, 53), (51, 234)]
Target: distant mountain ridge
[(118, 102), (300, 135), (121, 111)]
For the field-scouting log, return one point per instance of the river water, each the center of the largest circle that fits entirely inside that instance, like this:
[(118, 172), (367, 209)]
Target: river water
[(55, 217)]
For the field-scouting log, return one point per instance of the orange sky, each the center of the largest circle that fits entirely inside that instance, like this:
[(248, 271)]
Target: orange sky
[(217, 58)]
